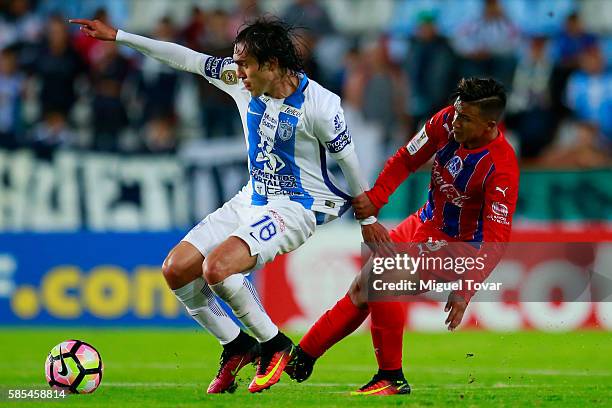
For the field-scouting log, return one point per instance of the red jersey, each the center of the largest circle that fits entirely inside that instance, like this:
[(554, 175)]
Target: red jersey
[(472, 192)]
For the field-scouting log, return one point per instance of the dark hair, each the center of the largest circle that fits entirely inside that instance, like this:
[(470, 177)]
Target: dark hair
[(486, 93), (268, 39)]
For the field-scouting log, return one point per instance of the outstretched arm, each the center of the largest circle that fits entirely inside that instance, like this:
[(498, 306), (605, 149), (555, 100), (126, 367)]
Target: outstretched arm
[(372, 231), (405, 161), (169, 53)]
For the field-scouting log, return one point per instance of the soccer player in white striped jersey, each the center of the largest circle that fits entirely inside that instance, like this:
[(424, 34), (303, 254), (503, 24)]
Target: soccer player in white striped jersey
[(289, 123)]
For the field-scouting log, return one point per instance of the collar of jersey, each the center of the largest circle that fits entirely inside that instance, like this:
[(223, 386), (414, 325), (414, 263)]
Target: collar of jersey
[(300, 88), (498, 139)]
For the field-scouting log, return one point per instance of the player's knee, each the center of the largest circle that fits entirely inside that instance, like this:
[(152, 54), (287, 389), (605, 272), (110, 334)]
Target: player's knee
[(216, 269), (356, 295), (173, 270)]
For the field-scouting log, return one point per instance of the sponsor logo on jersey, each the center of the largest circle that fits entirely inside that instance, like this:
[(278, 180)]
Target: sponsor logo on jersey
[(417, 142), (453, 195), (498, 219), (338, 123), (448, 189), (268, 121), (214, 66), (339, 142), (454, 166), (229, 77), (271, 161), (285, 130), (290, 110), (499, 209)]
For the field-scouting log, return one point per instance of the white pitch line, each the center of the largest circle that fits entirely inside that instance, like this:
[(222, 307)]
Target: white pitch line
[(439, 370), (177, 384), (359, 368)]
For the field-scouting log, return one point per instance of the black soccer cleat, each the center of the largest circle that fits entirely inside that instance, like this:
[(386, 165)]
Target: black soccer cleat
[(301, 365)]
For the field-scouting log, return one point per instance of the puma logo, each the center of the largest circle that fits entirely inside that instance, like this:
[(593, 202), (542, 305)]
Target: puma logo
[(503, 191)]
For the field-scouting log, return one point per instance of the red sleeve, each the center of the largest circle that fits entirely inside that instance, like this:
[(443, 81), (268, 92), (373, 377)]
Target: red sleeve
[(501, 194), (409, 158)]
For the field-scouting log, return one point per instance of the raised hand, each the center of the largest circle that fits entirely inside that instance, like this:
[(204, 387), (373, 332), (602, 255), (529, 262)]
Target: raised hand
[(96, 29)]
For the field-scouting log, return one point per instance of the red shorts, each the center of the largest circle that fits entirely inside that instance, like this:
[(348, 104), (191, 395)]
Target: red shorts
[(413, 231), (406, 229)]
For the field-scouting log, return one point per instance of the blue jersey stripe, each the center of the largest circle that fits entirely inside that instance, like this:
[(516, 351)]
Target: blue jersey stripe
[(255, 112), (491, 170), (478, 234), (450, 217), (447, 152), (469, 166), (430, 206), (286, 147), (326, 178)]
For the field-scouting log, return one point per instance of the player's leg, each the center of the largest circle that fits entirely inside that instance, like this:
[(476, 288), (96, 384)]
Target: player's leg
[(388, 321), (387, 329), (334, 325), (182, 270), (278, 228)]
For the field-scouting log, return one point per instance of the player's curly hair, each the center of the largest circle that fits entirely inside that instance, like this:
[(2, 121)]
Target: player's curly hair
[(267, 39), (486, 93)]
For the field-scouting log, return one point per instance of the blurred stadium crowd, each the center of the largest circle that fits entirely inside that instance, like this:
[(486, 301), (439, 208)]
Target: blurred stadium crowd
[(394, 62)]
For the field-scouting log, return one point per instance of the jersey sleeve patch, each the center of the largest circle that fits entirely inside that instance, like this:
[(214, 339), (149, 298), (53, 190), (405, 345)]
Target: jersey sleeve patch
[(417, 142), (339, 142), (213, 67)]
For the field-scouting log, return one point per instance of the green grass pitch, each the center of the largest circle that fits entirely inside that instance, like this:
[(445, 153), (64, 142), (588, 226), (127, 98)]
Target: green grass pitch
[(172, 368)]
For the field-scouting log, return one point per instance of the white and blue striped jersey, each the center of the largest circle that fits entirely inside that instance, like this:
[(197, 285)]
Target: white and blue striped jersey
[(287, 140)]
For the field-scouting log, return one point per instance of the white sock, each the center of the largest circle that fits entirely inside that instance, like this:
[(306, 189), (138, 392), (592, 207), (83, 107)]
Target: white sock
[(201, 304), (241, 296)]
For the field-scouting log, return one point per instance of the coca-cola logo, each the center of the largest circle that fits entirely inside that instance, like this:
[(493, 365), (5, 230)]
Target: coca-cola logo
[(447, 189)]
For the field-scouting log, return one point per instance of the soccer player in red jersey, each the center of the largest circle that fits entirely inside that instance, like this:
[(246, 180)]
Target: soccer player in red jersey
[(472, 197)]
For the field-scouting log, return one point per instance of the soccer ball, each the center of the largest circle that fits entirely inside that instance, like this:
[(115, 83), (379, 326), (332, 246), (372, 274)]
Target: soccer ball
[(74, 366)]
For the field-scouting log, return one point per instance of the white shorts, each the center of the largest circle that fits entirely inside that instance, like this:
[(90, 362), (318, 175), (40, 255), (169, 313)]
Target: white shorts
[(276, 228)]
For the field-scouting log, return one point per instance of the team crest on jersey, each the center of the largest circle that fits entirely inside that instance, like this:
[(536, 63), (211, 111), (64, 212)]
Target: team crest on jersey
[(229, 77), (454, 166), (285, 130)]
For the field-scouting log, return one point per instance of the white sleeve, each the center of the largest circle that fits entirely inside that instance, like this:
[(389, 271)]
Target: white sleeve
[(349, 164), (331, 128), (351, 170), (221, 72), (169, 53)]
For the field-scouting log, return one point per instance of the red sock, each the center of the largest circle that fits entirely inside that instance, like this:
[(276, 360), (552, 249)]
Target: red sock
[(388, 321), (335, 324)]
